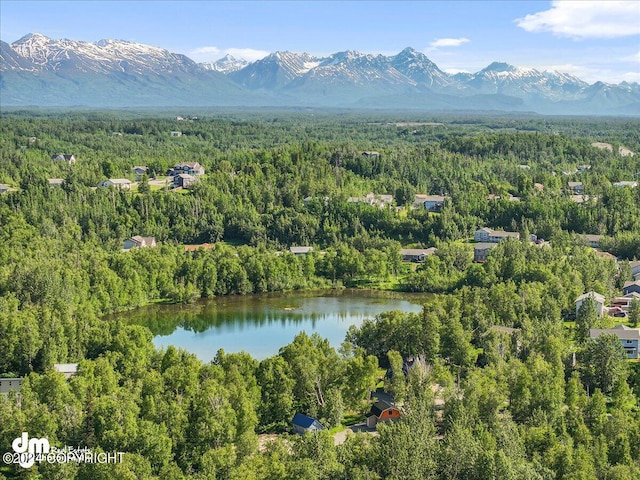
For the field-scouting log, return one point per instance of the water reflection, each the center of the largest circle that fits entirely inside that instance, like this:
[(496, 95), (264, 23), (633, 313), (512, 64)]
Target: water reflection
[(261, 324)]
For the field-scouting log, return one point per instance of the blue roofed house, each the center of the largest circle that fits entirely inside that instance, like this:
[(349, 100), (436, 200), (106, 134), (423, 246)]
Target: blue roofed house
[(630, 287), (629, 338), (303, 424)]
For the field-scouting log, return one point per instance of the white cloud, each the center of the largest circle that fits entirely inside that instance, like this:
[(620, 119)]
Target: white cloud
[(205, 54), (632, 58), (586, 19), (448, 42), (631, 77), (211, 54), (593, 73), (248, 54)]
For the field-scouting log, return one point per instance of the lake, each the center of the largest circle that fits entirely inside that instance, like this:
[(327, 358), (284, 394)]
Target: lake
[(261, 324)]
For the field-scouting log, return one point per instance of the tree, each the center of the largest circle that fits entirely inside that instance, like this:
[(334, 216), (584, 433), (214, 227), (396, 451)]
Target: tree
[(586, 319), (604, 363), (634, 313), (395, 382)]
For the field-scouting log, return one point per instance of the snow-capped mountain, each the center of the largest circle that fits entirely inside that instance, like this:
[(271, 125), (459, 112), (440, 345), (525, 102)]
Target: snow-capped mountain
[(506, 79), (37, 70), (416, 66), (104, 56), (226, 64), (275, 70)]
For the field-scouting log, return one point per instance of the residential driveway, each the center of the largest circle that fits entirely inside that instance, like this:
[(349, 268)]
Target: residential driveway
[(341, 437)]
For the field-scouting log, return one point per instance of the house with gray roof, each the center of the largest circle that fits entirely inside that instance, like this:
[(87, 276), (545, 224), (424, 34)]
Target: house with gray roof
[(488, 235), (416, 254), (138, 241), (597, 299), (629, 338)]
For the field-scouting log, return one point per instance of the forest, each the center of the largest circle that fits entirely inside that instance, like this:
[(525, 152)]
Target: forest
[(504, 383)]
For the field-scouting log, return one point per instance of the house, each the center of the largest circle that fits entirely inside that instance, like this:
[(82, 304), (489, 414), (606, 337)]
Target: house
[(4, 188), (433, 203), (119, 183), (183, 180), (303, 424), (70, 159), (629, 338), (481, 251), (55, 182), (625, 184), (486, 234), (307, 200), (139, 171), (138, 242), (583, 168), (301, 250), (576, 188), (635, 269), (625, 302), (583, 198), (10, 385), (371, 154), (416, 254), (597, 299), (373, 199), (631, 287), (67, 369), (381, 411), (591, 240), (189, 168), (176, 134)]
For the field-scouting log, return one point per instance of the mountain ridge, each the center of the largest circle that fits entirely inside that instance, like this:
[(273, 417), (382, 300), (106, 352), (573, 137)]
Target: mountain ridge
[(119, 72)]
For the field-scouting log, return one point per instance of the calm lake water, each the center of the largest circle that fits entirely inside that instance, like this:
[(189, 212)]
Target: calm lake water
[(261, 324)]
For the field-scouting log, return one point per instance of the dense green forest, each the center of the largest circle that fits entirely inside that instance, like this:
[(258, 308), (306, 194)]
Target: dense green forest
[(544, 402)]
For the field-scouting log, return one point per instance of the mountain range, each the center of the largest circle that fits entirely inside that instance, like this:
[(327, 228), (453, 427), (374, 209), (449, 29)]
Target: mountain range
[(39, 71)]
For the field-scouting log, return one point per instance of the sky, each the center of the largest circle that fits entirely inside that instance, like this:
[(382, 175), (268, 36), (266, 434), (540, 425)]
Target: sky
[(594, 40)]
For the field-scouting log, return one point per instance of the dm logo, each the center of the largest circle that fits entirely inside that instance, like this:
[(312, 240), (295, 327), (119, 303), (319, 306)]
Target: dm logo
[(28, 448)]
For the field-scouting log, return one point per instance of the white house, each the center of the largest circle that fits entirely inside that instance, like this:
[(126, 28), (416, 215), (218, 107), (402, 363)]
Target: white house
[(68, 369), (597, 299), (301, 250), (379, 200), (188, 168), (10, 385), (119, 183), (138, 241), (625, 184), (70, 159), (488, 235), (55, 182)]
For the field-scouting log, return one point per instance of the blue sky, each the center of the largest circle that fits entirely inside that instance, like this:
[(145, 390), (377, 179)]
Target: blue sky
[(590, 39)]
